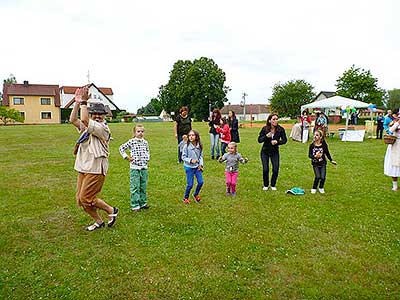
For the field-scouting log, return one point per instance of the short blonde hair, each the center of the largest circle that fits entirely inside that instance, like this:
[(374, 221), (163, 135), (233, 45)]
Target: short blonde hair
[(137, 126), (234, 145)]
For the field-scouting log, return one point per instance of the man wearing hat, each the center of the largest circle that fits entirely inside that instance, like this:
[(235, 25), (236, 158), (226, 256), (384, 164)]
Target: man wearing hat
[(91, 161)]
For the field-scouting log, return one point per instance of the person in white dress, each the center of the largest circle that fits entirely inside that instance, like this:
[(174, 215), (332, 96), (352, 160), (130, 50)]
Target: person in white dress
[(392, 157)]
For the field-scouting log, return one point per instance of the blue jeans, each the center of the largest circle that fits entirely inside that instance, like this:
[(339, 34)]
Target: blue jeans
[(190, 174), (179, 150), (214, 139)]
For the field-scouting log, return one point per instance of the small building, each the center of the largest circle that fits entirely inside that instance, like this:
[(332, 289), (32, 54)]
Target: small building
[(323, 95), (249, 112), (103, 95), (37, 103)]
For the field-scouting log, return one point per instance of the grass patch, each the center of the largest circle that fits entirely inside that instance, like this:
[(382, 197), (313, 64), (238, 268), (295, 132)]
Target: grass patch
[(261, 245)]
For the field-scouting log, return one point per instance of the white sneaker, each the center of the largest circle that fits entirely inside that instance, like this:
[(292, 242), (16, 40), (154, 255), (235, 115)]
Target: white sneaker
[(322, 191), (394, 189), (313, 191), (265, 188), (273, 188)]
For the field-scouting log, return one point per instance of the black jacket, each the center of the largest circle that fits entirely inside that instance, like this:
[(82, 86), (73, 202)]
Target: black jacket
[(279, 136), (234, 125), (312, 150)]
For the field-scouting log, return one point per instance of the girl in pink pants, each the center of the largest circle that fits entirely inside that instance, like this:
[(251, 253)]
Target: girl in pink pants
[(232, 159)]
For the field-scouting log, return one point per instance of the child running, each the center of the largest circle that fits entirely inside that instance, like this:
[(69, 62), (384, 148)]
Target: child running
[(192, 156), (139, 158), (318, 152), (232, 159)]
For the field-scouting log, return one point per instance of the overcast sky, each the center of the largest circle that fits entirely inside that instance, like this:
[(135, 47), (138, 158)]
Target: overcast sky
[(131, 46)]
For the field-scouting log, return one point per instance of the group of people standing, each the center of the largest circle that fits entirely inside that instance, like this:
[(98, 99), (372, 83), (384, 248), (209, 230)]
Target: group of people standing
[(92, 151)]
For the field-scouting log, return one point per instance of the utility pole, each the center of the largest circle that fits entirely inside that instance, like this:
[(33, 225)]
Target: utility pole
[(244, 105)]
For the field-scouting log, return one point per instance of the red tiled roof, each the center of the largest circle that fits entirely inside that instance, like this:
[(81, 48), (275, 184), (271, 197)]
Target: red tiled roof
[(72, 89), (250, 108), (31, 90)]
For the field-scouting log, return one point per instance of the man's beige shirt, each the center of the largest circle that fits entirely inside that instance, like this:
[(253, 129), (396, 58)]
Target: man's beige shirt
[(92, 156)]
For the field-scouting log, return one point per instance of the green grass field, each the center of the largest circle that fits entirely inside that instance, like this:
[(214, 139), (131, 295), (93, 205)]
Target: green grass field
[(260, 245)]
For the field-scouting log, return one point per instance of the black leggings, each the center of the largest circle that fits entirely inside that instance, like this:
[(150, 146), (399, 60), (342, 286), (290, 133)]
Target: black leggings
[(275, 167), (320, 176)]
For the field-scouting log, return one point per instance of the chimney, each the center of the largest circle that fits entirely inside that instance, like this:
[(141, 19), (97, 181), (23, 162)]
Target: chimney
[(26, 83)]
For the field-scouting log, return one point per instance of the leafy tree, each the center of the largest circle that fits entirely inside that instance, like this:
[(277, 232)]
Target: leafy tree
[(359, 84), (11, 79), (393, 100), (198, 84), (8, 115), (153, 108), (287, 98)]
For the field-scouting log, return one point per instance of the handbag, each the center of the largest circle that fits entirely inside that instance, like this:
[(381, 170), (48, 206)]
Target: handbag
[(389, 139)]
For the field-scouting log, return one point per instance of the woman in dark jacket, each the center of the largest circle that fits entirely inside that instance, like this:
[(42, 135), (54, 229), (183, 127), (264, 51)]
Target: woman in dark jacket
[(234, 126), (215, 119), (272, 135)]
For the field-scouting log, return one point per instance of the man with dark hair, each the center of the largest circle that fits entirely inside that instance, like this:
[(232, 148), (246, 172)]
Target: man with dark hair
[(91, 161)]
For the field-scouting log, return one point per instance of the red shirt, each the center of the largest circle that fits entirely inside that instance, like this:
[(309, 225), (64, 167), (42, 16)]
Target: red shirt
[(225, 132)]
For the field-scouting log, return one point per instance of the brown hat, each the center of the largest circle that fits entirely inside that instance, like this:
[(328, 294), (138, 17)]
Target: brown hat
[(97, 108)]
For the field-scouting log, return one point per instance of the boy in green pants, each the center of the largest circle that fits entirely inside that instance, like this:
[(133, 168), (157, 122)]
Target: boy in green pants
[(139, 158)]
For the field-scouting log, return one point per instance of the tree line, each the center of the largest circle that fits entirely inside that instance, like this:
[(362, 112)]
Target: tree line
[(200, 84)]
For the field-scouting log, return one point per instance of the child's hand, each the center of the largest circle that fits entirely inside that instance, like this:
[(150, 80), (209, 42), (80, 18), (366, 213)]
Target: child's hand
[(129, 158), (220, 159), (269, 134), (274, 142), (334, 162), (246, 160), (200, 168), (193, 161)]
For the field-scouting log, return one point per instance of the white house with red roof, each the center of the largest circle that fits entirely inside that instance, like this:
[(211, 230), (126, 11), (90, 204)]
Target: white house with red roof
[(102, 94)]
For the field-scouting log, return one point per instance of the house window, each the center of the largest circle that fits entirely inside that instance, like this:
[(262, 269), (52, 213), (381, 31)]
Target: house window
[(22, 113), (18, 101), (45, 101), (45, 115)]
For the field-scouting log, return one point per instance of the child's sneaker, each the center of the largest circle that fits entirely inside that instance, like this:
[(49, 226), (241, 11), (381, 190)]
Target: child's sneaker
[(197, 198), (322, 191), (265, 188), (313, 191), (273, 188), (186, 201), (227, 193), (233, 194)]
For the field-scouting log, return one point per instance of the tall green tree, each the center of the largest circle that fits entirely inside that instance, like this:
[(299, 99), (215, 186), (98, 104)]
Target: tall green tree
[(287, 98), (359, 84), (198, 84), (11, 79), (152, 108), (8, 115), (393, 100)]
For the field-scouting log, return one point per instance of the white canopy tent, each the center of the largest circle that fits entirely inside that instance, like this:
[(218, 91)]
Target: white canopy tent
[(334, 102)]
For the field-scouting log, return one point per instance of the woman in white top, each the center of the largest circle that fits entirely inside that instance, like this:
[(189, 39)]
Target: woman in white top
[(392, 157)]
